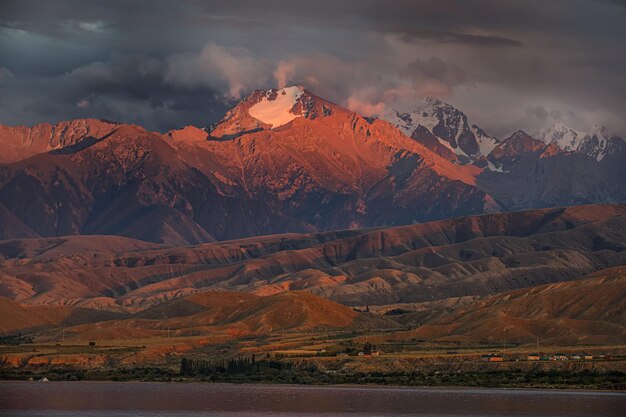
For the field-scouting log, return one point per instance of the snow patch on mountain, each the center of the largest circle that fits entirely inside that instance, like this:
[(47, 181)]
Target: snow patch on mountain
[(457, 151), (275, 108), (486, 143), (494, 168)]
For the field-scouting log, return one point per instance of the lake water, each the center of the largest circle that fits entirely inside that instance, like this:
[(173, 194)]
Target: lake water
[(100, 399)]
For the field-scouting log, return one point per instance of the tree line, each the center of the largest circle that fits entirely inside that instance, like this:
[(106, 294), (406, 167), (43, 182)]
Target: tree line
[(239, 365)]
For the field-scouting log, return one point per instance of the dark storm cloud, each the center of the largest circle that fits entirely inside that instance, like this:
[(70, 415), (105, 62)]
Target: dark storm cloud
[(126, 87), (164, 64), (451, 37)]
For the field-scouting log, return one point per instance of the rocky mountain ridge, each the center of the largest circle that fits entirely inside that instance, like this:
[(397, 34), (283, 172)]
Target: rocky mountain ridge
[(449, 128), (282, 160)]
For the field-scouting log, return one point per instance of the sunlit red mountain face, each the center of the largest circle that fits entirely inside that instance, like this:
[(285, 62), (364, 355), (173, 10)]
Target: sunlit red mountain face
[(285, 161)]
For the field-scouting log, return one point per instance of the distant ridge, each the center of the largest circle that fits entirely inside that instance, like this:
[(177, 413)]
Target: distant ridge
[(466, 256)]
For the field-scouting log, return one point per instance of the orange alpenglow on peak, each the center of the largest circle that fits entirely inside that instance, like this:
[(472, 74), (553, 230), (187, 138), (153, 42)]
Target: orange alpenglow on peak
[(270, 109), (275, 109), (281, 160)]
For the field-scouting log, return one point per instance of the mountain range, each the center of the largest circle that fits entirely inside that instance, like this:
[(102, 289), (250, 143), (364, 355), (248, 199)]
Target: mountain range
[(288, 161), (446, 130), (293, 213), (474, 255), (553, 273)]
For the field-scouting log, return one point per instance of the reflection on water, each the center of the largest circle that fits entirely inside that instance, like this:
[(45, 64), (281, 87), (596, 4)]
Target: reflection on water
[(99, 399)]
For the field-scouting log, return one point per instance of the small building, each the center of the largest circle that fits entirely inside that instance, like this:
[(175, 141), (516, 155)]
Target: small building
[(560, 357), (587, 356), (492, 357), (576, 357), (533, 357)]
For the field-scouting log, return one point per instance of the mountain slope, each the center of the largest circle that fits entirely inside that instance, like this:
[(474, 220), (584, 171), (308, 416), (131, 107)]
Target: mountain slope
[(538, 179), (16, 318), (477, 255), (287, 310), (111, 186), (225, 316), (585, 311)]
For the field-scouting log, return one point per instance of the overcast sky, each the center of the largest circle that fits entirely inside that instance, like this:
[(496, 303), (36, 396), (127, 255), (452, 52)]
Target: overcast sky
[(164, 64)]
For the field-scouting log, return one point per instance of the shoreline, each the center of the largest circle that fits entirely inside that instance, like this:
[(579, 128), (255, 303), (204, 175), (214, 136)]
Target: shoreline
[(372, 387), (620, 386)]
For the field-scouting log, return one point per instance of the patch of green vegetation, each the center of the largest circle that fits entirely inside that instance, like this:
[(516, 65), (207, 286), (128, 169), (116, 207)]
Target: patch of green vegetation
[(276, 370), (15, 339)]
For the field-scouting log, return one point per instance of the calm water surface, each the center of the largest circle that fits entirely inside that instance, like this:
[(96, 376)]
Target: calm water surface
[(100, 399)]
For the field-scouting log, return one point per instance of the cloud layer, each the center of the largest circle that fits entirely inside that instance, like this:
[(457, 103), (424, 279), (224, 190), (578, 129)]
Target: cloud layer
[(165, 64)]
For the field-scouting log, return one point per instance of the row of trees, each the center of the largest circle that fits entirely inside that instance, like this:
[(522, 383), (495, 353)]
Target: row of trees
[(239, 365), (15, 339)]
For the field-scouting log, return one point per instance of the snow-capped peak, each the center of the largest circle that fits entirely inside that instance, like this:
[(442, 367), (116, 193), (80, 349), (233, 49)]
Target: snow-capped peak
[(275, 108), (596, 143), (449, 125), (562, 136), (429, 113)]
